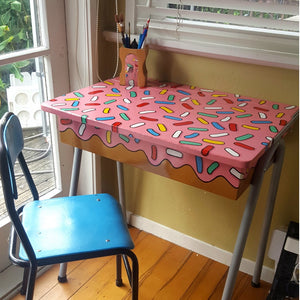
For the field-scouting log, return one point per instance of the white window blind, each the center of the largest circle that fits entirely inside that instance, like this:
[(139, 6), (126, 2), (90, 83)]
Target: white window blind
[(258, 31)]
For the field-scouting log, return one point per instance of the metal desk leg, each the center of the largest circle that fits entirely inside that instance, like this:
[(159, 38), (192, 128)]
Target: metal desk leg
[(121, 187), (278, 162), (62, 277), (256, 183)]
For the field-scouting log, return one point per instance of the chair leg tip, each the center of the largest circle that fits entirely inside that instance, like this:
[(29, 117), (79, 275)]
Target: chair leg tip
[(62, 279), (255, 285), (119, 282)]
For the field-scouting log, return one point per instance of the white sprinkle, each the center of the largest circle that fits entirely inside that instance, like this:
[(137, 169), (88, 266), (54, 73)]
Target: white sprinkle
[(236, 173), (290, 107), (216, 135), (88, 110), (173, 152), (226, 119), (59, 104), (262, 115), (213, 107), (81, 129), (98, 86), (137, 125), (232, 152), (94, 98), (126, 100), (185, 99), (185, 114), (147, 112), (204, 90), (147, 98), (243, 104), (177, 134)]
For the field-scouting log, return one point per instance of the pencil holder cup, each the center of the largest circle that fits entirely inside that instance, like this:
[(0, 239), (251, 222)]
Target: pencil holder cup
[(133, 72)]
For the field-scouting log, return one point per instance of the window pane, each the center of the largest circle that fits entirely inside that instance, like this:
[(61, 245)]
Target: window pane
[(16, 30), (21, 92)]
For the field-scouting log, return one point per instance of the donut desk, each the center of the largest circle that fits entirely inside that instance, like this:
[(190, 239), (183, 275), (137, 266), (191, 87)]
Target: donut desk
[(213, 140)]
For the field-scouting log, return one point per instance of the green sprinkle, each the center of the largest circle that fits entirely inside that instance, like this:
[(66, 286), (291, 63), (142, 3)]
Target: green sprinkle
[(190, 143), (132, 94), (197, 129), (110, 101), (69, 109), (83, 119), (78, 94), (275, 106), (273, 129), (124, 117), (171, 97), (244, 137), (211, 102), (212, 167), (244, 116), (124, 138), (207, 115)]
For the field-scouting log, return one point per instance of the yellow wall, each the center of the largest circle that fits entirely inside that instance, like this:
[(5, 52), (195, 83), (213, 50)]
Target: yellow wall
[(202, 215)]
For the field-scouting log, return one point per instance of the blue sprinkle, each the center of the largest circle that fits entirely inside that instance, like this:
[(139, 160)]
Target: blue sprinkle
[(190, 136), (122, 107), (199, 164), (75, 103), (240, 99), (217, 125), (137, 140), (115, 90), (164, 102), (265, 144), (261, 122), (147, 92), (151, 131), (183, 92), (225, 112), (173, 118), (105, 119)]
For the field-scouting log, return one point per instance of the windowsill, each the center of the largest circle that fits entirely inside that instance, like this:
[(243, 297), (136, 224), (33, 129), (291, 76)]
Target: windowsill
[(237, 53)]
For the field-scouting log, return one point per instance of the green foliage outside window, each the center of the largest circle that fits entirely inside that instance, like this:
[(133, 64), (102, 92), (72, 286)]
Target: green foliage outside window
[(15, 35)]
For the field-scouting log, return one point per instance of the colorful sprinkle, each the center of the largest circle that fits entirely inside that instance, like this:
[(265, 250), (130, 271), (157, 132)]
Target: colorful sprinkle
[(232, 152), (212, 167), (213, 142), (153, 132), (173, 152), (205, 151)]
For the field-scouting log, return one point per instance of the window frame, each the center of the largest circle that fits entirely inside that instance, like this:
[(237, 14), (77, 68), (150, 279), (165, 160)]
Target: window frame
[(256, 46)]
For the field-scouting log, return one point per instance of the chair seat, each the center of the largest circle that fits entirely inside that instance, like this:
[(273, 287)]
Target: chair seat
[(68, 225)]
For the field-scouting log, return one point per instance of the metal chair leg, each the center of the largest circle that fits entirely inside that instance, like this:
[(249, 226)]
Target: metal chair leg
[(25, 281), (31, 282), (119, 281)]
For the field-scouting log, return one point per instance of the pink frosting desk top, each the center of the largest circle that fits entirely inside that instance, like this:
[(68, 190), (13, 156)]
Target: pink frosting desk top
[(176, 122)]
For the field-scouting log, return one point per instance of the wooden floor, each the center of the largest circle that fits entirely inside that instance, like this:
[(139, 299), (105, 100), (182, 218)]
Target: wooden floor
[(167, 271)]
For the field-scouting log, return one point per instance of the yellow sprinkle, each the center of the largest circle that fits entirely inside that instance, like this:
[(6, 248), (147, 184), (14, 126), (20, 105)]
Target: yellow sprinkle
[(192, 87), (168, 110), (202, 121), (108, 82), (162, 92), (213, 142), (237, 109), (219, 95), (195, 102), (106, 110), (161, 127), (113, 95), (108, 136), (280, 115), (250, 127), (262, 102), (71, 99)]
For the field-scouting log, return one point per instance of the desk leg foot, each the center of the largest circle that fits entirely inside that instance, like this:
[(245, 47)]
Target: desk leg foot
[(256, 183)]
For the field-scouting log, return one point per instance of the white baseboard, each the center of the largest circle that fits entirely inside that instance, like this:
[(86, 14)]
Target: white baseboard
[(195, 245)]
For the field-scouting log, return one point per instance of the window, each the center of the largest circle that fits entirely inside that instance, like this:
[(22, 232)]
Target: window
[(257, 31)]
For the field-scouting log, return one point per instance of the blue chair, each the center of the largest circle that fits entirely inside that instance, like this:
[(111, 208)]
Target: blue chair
[(62, 229)]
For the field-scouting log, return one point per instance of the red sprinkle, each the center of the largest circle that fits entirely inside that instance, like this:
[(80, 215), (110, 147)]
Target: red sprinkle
[(187, 106), (260, 108), (115, 126), (201, 94), (244, 146), (65, 121), (95, 92), (282, 122), (148, 119), (229, 101), (142, 104), (153, 152), (232, 126), (183, 123), (92, 104), (206, 150)]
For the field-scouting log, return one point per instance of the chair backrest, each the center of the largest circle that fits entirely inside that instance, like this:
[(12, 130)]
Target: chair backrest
[(11, 146)]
